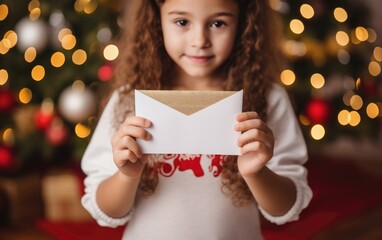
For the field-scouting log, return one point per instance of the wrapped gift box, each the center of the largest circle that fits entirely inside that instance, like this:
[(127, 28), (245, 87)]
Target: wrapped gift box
[(22, 198), (62, 191)]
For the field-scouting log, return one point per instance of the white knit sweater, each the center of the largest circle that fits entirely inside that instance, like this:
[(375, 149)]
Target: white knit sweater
[(188, 202)]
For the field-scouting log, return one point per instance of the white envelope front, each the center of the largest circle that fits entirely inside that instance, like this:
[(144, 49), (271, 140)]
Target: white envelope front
[(208, 131)]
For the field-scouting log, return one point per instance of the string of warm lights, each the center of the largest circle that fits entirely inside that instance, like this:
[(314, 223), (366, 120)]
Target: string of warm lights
[(343, 40)]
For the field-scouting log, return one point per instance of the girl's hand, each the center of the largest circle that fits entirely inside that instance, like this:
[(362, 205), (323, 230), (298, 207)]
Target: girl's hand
[(126, 152), (256, 142)]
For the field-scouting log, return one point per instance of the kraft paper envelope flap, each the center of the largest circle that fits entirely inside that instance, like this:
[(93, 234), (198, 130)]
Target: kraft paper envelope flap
[(190, 122), (187, 102)]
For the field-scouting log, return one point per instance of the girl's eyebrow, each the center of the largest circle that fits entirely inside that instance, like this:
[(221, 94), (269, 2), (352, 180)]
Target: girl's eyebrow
[(177, 13), (218, 14)]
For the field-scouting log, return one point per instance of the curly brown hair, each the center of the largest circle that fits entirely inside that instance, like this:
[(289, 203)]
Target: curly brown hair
[(144, 64)]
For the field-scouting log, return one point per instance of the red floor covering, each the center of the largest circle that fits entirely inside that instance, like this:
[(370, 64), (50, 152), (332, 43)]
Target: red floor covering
[(340, 189)]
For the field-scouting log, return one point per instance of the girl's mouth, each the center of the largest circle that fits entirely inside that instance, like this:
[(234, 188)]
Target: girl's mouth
[(199, 59)]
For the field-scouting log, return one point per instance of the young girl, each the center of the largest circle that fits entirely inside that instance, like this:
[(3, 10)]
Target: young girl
[(197, 45)]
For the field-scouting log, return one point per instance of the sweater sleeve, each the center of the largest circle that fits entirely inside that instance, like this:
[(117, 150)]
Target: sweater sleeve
[(290, 152), (97, 163)]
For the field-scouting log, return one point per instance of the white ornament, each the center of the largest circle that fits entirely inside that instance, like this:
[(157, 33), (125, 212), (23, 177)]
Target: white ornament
[(32, 34), (77, 105)]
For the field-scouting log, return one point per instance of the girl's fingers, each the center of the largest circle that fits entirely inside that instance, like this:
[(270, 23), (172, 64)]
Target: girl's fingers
[(135, 132), (137, 121), (254, 135), (250, 120), (134, 126), (251, 124), (246, 116), (129, 143), (263, 151), (126, 155), (131, 131)]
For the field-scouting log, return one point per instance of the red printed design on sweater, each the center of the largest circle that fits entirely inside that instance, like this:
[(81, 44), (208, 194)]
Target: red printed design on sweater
[(169, 163)]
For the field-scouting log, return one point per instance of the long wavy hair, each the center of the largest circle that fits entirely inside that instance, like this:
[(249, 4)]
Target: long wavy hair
[(144, 64)]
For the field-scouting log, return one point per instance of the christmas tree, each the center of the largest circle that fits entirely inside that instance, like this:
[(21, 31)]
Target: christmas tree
[(56, 55)]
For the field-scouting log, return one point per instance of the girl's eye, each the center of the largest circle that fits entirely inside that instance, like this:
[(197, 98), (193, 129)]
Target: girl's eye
[(181, 22), (217, 24)]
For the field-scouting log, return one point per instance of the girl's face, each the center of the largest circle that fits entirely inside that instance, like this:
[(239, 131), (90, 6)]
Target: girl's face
[(199, 34)]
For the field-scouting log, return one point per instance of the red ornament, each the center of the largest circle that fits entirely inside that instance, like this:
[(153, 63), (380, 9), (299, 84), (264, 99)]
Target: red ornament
[(105, 73), (6, 100), (43, 119), (318, 111), (6, 158), (57, 133)]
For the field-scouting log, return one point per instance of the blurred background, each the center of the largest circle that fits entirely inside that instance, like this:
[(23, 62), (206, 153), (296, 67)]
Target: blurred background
[(56, 58)]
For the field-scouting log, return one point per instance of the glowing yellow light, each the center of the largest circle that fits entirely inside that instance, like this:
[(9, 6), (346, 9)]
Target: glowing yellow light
[(84, 2), (64, 32), (30, 54), (355, 118), (33, 4), (3, 12), (287, 77), (356, 102), (78, 6), (358, 83), (111, 52), (306, 11), (372, 110), (342, 38), (374, 68), (82, 131), (12, 37), (57, 59), (317, 132), (296, 26), (317, 80), (377, 53), (35, 14), (354, 38), (8, 137), (372, 35), (340, 14), (3, 48), (361, 34), (25, 95), (79, 57), (38, 73), (344, 117), (304, 120), (90, 7), (78, 85), (7, 44), (3, 76), (69, 41)]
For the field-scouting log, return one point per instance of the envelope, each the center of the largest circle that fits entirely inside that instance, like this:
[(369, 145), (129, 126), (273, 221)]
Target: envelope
[(190, 122)]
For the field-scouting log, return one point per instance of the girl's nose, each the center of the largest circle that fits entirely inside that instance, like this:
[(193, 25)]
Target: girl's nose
[(200, 38)]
